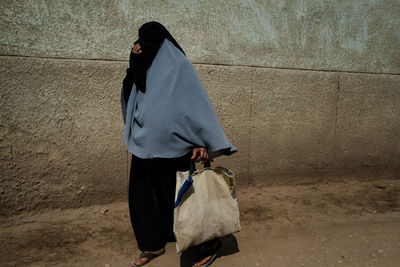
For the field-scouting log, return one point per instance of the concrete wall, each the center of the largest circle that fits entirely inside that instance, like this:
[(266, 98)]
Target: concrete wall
[(360, 35), (302, 88)]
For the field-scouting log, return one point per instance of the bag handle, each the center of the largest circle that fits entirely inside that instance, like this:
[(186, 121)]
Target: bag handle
[(188, 182), (192, 168), (207, 164)]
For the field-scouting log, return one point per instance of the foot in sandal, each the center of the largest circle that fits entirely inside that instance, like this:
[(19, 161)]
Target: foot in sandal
[(208, 255), (146, 256)]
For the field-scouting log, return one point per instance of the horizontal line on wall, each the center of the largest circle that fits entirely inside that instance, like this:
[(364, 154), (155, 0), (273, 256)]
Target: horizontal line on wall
[(286, 68), (201, 63), (66, 58)]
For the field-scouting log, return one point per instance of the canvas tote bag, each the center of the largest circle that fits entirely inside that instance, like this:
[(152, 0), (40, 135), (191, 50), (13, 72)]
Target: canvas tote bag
[(205, 206)]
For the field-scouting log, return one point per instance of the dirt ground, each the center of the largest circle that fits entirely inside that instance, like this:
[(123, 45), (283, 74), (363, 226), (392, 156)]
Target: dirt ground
[(341, 223)]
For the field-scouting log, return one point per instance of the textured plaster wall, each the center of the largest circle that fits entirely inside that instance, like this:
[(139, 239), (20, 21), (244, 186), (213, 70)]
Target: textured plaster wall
[(60, 133), (360, 35), (302, 88)]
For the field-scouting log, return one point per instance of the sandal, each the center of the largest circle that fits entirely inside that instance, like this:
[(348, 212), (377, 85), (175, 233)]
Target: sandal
[(211, 252), (148, 256)]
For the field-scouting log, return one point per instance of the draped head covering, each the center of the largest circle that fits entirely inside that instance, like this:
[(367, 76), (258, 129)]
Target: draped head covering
[(174, 113), (151, 36)]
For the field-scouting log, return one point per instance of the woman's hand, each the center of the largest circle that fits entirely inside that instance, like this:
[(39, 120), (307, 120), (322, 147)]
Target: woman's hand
[(137, 49), (200, 153)]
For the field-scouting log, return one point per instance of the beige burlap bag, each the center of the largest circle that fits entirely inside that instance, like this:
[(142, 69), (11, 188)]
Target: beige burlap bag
[(206, 209)]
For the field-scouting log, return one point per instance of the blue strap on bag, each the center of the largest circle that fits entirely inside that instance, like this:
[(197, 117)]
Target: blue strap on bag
[(186, 184)]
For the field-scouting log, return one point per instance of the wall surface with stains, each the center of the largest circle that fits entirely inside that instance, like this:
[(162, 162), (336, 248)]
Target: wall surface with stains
[(307, 90), (356, 36)]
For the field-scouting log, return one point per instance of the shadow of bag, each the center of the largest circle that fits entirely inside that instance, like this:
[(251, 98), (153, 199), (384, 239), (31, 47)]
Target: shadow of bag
[(205, 206)]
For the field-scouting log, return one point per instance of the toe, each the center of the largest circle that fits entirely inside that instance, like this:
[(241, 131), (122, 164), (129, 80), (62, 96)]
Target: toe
[(139, 261)]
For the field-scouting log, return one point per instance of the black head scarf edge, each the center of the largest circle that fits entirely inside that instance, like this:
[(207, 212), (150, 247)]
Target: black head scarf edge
[(151, 36)]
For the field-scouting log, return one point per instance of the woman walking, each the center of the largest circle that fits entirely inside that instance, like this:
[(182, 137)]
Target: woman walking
[(169, 121)]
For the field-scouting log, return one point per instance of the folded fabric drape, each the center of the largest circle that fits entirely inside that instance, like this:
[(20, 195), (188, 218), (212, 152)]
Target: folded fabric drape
[(174, 114)]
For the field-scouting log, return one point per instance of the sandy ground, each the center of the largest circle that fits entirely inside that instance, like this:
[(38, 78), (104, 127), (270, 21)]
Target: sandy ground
[(342, 223)]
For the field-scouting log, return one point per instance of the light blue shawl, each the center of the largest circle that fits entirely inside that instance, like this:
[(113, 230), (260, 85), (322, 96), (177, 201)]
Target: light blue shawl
[(175, 114)]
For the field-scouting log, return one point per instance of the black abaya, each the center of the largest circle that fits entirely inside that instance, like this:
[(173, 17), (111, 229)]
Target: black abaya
[(151, 199)]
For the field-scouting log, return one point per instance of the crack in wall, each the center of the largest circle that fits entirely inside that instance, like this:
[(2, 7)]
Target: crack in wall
[(336, 117), (250, 179), (206, 64), (127, 171)]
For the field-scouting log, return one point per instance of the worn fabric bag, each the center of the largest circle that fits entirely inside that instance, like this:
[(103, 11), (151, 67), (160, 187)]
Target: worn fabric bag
[(205, 206)]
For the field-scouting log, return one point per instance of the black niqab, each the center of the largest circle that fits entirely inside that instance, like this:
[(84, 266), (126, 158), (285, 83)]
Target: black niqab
[(151, 36)]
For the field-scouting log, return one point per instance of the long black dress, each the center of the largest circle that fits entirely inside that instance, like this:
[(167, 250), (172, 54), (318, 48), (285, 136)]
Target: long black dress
[(151, 199)]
